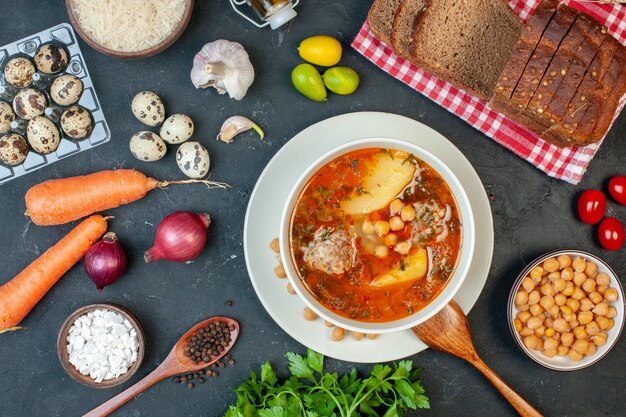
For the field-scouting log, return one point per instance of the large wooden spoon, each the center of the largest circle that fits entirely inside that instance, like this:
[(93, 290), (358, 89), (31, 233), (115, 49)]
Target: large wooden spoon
[(175, 363), (448, 331)]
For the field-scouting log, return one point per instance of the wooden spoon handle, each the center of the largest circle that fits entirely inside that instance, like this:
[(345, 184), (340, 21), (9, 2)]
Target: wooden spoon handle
[(131, 392), (521, 406)]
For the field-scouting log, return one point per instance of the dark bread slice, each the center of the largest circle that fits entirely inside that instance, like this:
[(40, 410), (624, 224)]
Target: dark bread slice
[(565, 71), (562, 134), (380, 18), (558, 27), (524, 48), (402, 33), (611, 100), (466, 44)]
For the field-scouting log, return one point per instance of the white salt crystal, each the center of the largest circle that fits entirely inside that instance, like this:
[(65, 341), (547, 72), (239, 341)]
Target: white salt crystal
[(79, 343), (115, 361)]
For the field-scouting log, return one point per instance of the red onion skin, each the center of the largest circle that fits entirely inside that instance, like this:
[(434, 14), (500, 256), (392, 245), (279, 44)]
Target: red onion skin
[(180, 237), (105, 261)]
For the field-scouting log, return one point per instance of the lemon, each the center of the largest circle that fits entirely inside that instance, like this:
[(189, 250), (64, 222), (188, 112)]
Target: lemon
[(320, 50), (308, 81), (341, 80)]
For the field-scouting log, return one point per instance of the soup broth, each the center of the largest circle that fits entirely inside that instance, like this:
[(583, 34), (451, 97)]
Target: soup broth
[(375, 235)]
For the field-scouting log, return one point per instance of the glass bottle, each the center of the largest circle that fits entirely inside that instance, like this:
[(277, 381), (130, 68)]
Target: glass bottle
[(273, 12)]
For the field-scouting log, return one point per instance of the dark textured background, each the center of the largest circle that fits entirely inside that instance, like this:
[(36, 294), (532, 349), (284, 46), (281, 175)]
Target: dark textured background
[(533, 214)]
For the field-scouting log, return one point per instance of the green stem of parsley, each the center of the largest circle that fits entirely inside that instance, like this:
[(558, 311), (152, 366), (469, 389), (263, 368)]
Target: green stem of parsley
[(333, 397), (367, 395)]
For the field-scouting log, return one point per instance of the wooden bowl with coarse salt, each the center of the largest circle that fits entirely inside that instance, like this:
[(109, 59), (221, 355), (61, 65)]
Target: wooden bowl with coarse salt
[(178, 27), (64, 356)]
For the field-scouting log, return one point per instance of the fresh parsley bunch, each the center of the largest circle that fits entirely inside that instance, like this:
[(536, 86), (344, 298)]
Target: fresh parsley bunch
[(309, 392)]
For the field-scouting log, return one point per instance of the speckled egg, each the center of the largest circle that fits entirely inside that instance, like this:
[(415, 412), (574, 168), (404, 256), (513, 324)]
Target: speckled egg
[(148, 108), (66, 90), (7, 115), (51, 59), (19, 72), (76, 122), (177, 128), (29, 103), (147, 146), (193, 159), (13, 149), (43, 135)]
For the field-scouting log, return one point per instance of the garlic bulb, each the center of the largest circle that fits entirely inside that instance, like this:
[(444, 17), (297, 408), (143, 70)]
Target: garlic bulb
[(235, 125), (225, 66)]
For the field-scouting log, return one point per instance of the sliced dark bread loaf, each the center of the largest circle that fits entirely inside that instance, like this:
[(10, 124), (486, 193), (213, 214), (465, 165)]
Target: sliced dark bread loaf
[(562, 134), (466, 42), (380, 18), (402, 33), (568, 66), (536, 67), (523, 50)]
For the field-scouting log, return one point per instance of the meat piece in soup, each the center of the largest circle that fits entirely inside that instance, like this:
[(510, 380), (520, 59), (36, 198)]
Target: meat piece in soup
[(375, 235), (330, 252)]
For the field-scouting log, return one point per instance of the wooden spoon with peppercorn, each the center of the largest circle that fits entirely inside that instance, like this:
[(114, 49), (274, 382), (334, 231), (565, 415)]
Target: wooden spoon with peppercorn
[(217, 334)]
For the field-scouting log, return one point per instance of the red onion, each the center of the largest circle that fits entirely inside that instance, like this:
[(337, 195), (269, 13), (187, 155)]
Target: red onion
[(105, 262), (180, 237)]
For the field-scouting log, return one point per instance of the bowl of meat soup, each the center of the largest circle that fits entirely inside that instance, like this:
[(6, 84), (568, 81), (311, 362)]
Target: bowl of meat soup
[(377, 235)]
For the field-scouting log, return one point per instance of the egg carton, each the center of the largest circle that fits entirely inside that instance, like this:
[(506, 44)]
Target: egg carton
[(62, 34)]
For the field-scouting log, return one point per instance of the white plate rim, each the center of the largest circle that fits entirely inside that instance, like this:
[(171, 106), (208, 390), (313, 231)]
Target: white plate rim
[(362, 125)]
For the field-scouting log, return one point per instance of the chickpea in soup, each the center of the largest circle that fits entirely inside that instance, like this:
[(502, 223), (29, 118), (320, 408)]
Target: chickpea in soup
[(375, 234)]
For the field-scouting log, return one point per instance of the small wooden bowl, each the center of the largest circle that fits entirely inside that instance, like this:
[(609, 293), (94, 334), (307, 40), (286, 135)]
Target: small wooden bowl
[(158, 48), (86, 379)]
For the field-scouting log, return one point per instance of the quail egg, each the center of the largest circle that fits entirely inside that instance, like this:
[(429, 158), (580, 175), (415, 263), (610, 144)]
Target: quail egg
[(43, 135), (19, 72), (13, 149), (6, 116), (177, 129), (50, 59), (66, 90), (147, 146), (76, 122), (193, 159), (29, 103), (148, 108)]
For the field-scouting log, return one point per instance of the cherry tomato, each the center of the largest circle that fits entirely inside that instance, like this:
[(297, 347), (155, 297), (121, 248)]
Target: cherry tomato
[(617, 189), (591, 206), (611, 234)]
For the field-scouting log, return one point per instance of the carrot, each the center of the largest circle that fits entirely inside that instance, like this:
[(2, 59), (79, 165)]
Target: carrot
[(20, 295), (64, 200)]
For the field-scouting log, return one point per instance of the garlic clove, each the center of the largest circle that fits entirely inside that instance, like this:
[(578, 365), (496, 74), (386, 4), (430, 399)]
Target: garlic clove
[(235, 125), (225, 66)]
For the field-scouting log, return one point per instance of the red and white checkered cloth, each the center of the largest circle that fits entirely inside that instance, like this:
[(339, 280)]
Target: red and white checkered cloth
[(567, 164)]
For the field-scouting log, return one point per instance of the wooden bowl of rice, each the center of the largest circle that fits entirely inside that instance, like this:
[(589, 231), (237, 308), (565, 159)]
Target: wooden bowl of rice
[(130, 29)]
